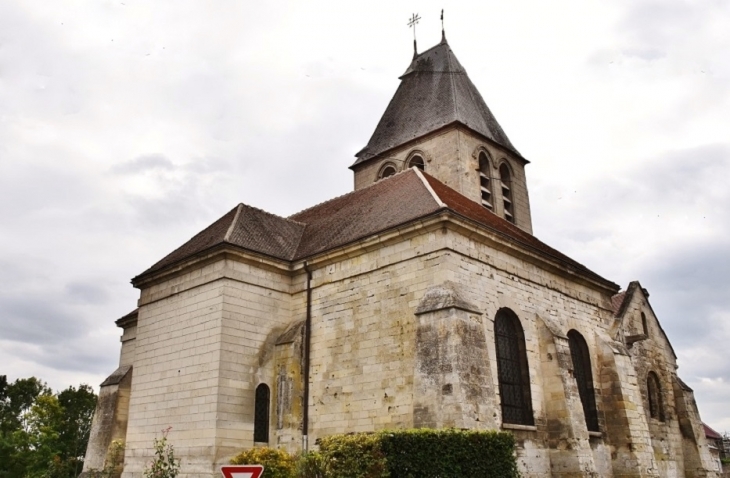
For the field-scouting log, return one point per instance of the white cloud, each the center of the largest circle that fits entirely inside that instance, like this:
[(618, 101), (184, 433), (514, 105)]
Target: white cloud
[(127, 127)]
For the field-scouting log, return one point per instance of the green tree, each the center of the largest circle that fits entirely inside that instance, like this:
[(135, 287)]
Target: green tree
[(43, 435), (78, 411), (16, 400)]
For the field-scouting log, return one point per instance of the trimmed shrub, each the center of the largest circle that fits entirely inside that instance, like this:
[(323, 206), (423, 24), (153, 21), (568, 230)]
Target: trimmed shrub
[(277, 463), (421, 453), (355, 455), (426, 453)]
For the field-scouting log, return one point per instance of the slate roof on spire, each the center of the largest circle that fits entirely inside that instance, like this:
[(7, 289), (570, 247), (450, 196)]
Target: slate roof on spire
[(435, 91)]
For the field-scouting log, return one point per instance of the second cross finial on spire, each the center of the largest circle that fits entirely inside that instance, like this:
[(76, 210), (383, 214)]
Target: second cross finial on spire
[(412, 23)]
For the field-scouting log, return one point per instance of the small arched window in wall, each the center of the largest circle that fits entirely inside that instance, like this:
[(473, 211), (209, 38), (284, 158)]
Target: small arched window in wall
[(512, 371), (506, 183), (644, 327), (654, 392), (485, 181), (386, 171), (261, 414), (417, 162), (584, 377)]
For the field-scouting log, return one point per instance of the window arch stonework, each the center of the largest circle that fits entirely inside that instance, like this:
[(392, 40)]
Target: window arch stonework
[(261, 414), (512, 369), (583, 374), (416, 159), (386, 170)]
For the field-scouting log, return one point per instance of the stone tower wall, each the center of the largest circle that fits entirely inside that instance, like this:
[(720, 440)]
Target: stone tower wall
[(451, 155)]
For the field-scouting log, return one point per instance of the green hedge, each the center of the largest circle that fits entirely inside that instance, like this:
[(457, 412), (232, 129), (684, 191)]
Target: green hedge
[(421, 453)]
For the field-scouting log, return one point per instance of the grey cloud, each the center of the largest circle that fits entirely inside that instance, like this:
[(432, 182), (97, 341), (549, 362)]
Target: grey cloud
[(87, 293), (143, 164), (37, 319), (688, 286)]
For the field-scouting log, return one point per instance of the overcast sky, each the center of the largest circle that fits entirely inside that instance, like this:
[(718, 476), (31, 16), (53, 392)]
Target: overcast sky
[(127, 126)]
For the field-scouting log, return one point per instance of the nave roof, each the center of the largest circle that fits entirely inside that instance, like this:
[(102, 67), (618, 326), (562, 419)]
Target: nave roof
[(386, 204)]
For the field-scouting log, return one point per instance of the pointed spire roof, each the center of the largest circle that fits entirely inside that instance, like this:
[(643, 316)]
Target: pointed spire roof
[(435, 91)]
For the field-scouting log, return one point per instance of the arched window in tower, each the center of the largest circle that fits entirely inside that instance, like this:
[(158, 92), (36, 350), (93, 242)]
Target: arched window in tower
[(512, 371), (261, 414), (506, 183), (644, 327), (485, 181), (386, 171), (584, 377), (417, 162), (654, 392)]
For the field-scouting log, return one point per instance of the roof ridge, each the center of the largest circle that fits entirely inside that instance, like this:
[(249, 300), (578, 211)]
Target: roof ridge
[(286, 218), (421, 176), (453, 83), (346, 194), (232, 226)]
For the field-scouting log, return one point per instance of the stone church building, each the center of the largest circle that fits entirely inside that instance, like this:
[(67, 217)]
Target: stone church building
[(420, 299)]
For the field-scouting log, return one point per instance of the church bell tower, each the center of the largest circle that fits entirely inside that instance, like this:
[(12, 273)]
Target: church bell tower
[(438, 122)]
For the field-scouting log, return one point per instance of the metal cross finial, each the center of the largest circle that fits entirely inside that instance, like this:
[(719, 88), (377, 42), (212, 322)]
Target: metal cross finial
[(443, 32), (412, 23)]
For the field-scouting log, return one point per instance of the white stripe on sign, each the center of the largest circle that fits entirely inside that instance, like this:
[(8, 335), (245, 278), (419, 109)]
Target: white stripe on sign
[(241, 474)]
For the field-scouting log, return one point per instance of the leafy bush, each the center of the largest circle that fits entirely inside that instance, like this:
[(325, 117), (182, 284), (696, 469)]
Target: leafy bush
[(277, 463), (164, 464), (422, 453), (312, 465), (355, 455), (112, 462)]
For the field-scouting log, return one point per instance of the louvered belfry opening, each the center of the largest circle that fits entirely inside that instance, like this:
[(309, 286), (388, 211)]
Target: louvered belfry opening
[(513, 374), (485, 181), (584, 378), (654, 391), (261, 414), (506, 183)]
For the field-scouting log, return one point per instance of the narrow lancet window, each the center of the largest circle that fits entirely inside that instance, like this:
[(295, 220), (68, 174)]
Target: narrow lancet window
[(417, 162), (654, 392), (485, 181), (261, 414), (643, 325), (513, 374), (584, 378), (506, 183)]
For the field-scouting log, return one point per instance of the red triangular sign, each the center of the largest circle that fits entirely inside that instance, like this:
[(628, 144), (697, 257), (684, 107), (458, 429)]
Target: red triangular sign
[(242, 471)]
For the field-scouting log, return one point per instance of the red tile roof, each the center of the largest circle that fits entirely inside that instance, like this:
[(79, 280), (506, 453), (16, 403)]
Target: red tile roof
[(386, 204), (710, 433), (617, 301)]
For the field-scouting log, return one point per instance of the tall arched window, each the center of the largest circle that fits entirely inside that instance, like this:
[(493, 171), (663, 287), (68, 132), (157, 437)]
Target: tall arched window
[(654, 392), (417, 162), (513, 374), (485, 181), (584, 377), (506, 183), (643, 324), (261, 414)]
